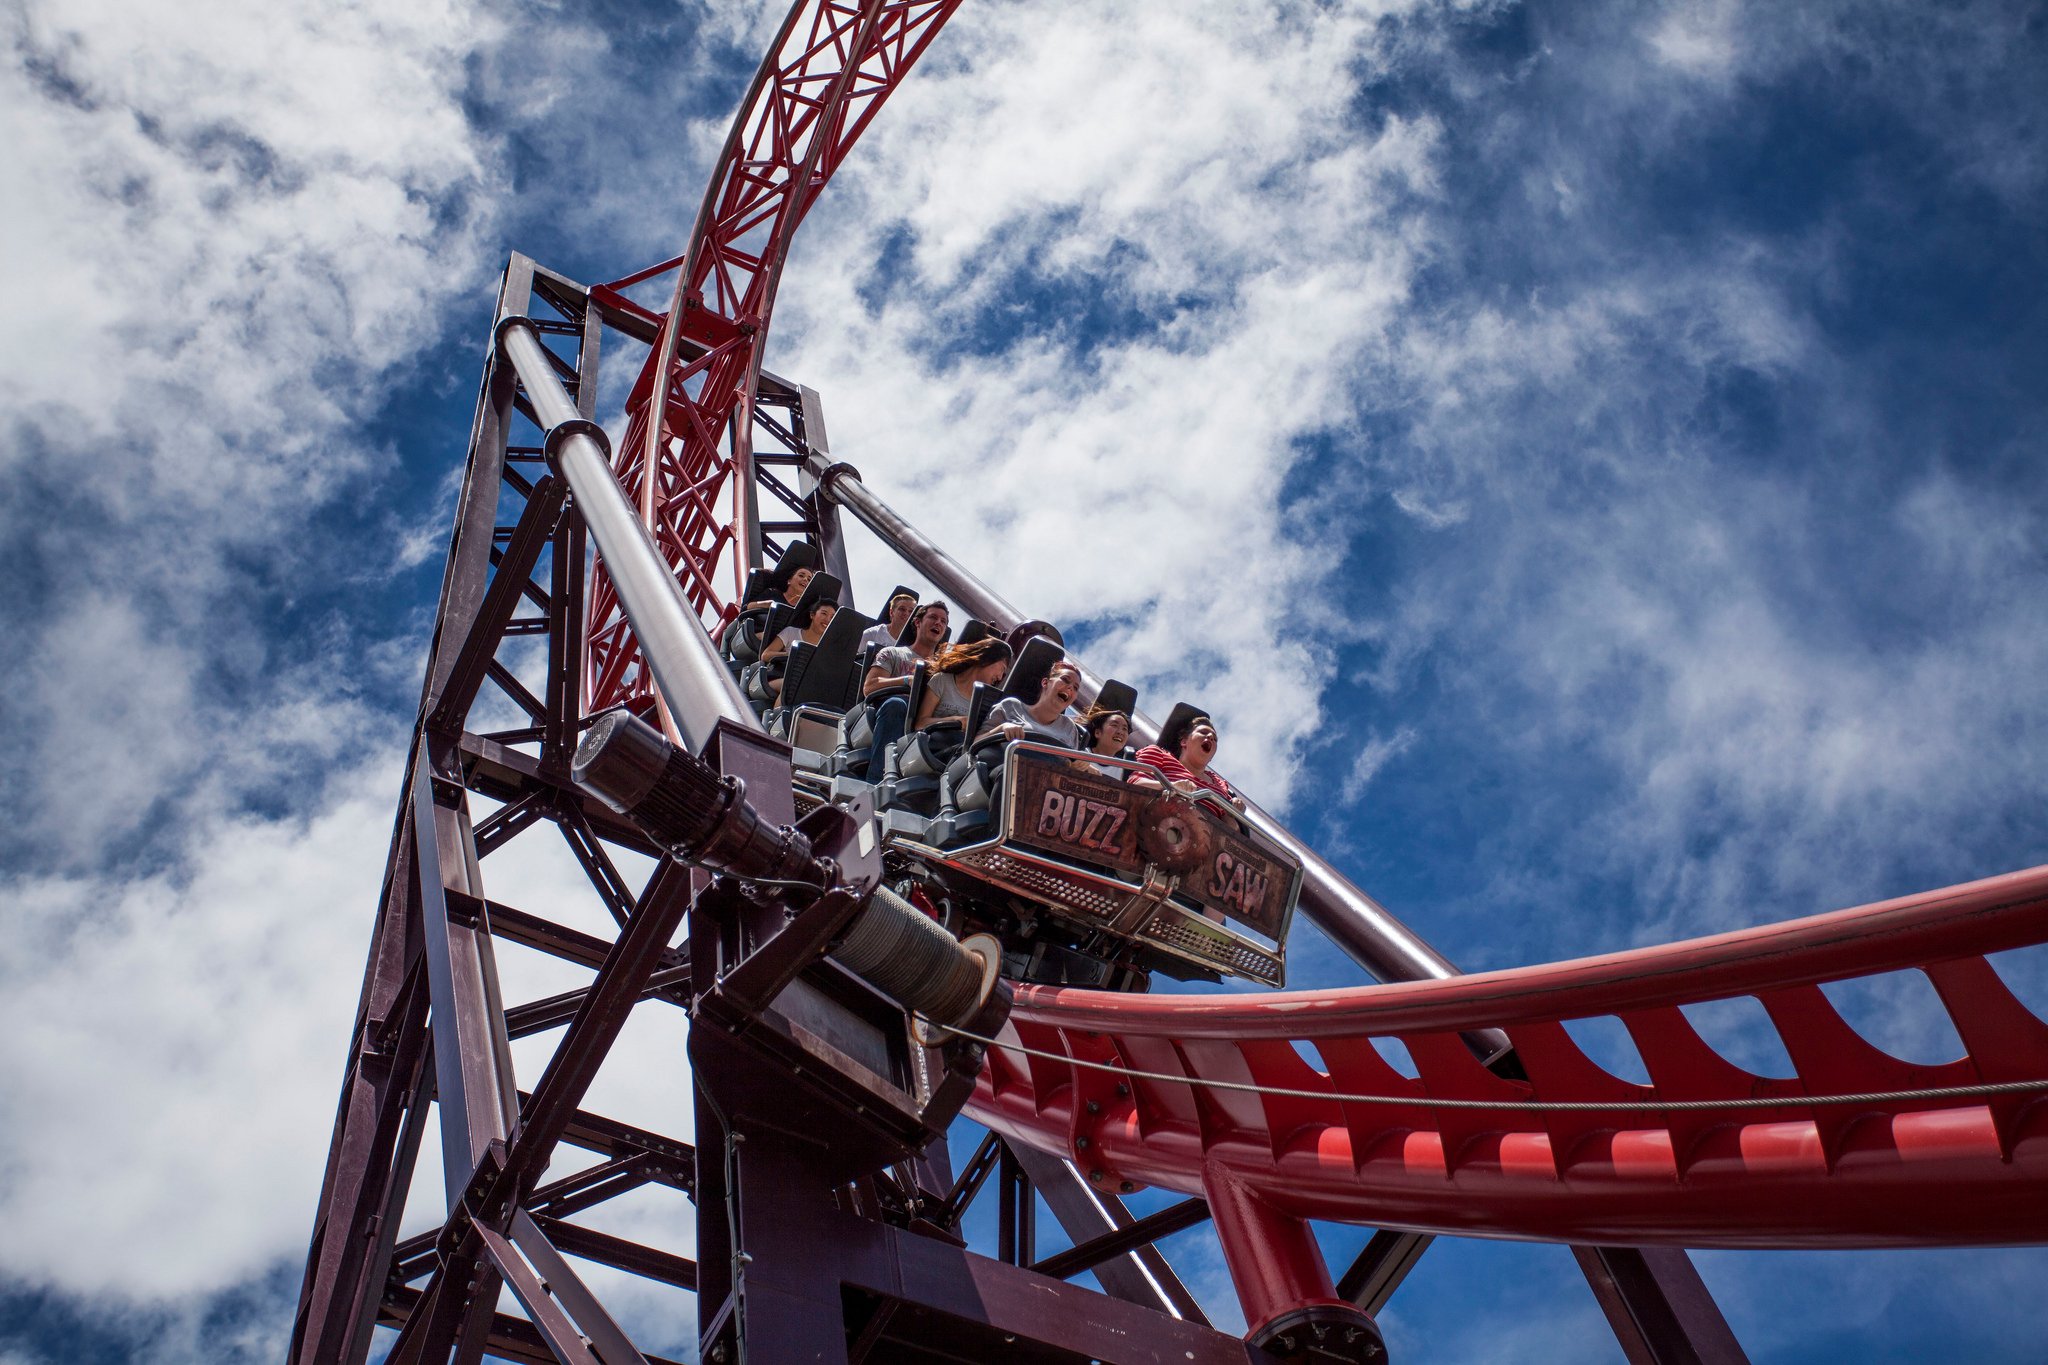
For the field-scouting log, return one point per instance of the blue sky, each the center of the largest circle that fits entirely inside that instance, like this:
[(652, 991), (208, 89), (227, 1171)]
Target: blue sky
[(1590, 456)]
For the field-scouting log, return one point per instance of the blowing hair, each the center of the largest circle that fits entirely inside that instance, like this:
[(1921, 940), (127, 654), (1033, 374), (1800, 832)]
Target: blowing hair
[(960, 658)]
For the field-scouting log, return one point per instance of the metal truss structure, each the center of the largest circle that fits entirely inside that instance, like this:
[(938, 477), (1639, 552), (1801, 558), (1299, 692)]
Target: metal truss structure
[(1264, 1112)]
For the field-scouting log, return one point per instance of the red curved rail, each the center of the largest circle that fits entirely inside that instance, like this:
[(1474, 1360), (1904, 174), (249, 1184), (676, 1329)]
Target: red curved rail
[(1716, 1172), (686, 448)]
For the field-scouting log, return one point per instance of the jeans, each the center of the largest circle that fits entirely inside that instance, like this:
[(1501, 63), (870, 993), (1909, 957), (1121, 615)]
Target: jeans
[(892, 718)]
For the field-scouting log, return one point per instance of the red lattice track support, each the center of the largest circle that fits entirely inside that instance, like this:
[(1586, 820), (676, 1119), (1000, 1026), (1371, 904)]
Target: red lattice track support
[(1683, 1161), (686, 459)]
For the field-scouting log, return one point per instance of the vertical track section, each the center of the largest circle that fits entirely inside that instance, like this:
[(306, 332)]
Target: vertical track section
[(686, 460)]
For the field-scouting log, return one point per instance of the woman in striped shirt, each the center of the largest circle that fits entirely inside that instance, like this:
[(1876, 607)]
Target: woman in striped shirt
[(1187, 744)]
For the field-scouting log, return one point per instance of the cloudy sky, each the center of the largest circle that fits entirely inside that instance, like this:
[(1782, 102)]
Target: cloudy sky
[(1590, 456)]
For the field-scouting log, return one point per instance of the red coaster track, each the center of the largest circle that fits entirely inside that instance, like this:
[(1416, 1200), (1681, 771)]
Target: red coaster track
[(685, 458), (1707, 1155)]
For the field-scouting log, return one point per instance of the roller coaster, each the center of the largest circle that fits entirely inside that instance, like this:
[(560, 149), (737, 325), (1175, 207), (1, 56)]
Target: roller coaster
[(872, 936)]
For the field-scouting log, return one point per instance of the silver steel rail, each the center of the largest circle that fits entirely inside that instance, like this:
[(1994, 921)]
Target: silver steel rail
[(693, 680), (1357, 923)]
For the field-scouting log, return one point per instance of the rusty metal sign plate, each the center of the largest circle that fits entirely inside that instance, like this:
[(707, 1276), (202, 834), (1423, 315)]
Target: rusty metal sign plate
[(1071, 812)]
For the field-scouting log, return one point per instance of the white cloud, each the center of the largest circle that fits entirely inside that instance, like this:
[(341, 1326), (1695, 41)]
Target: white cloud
[(176, 1042), (1266, 236), (244, 219), (1376, 753), (1698, 39)]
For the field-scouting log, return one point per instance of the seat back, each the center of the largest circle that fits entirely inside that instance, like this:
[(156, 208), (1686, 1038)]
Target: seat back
[(919, 681), (1118, 696), (974, 630), (802, 658), (780, 617), (743, 640), (978, 706), (829, 675), (1026, 677)]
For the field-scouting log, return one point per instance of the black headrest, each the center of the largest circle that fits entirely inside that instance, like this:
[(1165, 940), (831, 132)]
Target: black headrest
[(900, 590), (780, 617), (1175, 730), (1033, 630), (974, 630), (760, 586), (1117, 696), (824, 681), (1026, 678), (801, 554)]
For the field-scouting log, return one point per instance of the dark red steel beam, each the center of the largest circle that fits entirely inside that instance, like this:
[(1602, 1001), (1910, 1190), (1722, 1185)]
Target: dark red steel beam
[(538, 1016), (509, 1338), (1660, 1308), (1142, 1232), (1086, 1212), (621, 1254), (476, 652), (603, 1013)]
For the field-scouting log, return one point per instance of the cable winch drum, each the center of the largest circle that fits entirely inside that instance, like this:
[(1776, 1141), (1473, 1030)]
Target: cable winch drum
[(909, 956), (680, 801)]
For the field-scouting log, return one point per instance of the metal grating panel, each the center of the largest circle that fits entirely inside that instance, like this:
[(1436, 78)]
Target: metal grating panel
[(1069, 892), (1169, 930), (1178, 934)]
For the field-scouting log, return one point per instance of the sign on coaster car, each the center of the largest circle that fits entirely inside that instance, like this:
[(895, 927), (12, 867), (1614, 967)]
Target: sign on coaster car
[(1146, 862)]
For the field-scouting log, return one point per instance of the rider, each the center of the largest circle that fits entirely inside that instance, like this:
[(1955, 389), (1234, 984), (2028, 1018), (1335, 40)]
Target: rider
[(1044, 720), (1187, 744), (820, 616), (917, 641), (792, 588), (1105, 731), (895, 617), (924, 630), (949, 688)]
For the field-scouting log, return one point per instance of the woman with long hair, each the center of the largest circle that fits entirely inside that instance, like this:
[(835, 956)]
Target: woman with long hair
[(949, 688)]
